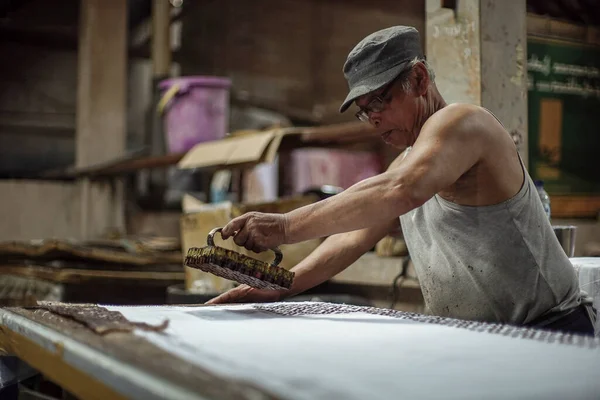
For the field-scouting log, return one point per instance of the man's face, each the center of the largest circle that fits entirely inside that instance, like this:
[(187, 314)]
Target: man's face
[(397, 115)]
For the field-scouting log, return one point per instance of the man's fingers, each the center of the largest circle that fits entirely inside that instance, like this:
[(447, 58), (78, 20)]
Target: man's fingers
[(259, 249), (241, 237), (233, 226), (235, 295), (249, 243), (220, 299)]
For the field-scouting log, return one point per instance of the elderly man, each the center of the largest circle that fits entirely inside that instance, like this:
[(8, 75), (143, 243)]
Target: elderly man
[(482, 246)]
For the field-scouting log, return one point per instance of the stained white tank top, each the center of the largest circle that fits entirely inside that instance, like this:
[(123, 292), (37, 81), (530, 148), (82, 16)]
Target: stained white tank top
[(497, 263)]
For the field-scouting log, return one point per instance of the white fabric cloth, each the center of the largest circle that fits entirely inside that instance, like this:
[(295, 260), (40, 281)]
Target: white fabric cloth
[(588, 269), (364, 356)]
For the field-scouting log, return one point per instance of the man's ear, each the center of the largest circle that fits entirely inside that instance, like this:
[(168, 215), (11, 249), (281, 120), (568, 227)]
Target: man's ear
[(421, 79)]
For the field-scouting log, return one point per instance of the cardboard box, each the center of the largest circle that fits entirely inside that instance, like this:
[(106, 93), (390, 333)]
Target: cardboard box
[(242, 149), (311, 168), (199, 219), (246, 148)]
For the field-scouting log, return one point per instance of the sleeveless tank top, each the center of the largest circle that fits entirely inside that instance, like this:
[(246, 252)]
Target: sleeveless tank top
[(498, 263)]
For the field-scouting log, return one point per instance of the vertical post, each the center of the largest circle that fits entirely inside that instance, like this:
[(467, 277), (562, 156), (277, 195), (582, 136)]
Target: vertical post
[(504, 65), (156, 180), (101, 108), (161, 42)]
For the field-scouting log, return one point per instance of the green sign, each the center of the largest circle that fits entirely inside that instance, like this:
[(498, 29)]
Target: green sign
[(564, 116)]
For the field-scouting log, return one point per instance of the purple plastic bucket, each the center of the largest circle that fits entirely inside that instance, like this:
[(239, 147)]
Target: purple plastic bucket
[(195, 110)]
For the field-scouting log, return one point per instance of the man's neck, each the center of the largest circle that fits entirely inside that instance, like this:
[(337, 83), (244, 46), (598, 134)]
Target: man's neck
[(436, 101)]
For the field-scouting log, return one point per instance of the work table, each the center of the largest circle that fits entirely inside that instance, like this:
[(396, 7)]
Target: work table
[(300, 351)]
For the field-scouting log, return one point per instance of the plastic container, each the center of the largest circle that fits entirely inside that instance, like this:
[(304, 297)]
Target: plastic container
[(195, 109), (539, 185)]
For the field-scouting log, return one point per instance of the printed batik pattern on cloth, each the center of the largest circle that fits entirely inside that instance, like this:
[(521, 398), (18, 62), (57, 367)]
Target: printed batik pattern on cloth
[(315, 308)]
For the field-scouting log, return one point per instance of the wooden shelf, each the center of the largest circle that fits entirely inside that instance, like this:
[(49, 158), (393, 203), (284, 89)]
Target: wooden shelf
[(120, 166), (343, 135)]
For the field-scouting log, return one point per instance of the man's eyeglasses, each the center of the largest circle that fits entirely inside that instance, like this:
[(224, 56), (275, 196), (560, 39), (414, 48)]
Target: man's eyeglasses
[(377, 104)]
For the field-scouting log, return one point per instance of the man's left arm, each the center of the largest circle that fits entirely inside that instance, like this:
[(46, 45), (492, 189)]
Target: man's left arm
[(450, 143)]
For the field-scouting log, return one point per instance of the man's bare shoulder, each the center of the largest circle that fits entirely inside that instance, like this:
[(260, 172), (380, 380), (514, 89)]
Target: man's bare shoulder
[(466, 117), (464, 123)]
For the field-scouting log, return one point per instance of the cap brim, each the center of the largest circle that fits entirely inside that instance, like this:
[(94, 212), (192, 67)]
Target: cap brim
[(372, 83)]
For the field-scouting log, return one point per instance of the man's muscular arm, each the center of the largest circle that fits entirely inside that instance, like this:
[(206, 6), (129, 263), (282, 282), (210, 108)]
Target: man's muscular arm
[(450, 143), (333, 256)]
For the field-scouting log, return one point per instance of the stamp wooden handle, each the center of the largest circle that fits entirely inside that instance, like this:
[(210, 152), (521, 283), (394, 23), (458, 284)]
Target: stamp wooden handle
[(210, 240)]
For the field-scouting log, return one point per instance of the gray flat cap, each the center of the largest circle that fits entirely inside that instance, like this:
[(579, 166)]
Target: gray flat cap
[(378, 59)]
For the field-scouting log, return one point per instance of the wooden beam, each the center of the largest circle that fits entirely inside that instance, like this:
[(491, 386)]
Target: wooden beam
[(503, 34), (101, 96), (101, 109), (161, 39), (116, 167)]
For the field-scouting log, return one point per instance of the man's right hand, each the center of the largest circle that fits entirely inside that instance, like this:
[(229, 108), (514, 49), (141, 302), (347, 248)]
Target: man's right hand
[(334, 255), (247, 294)]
